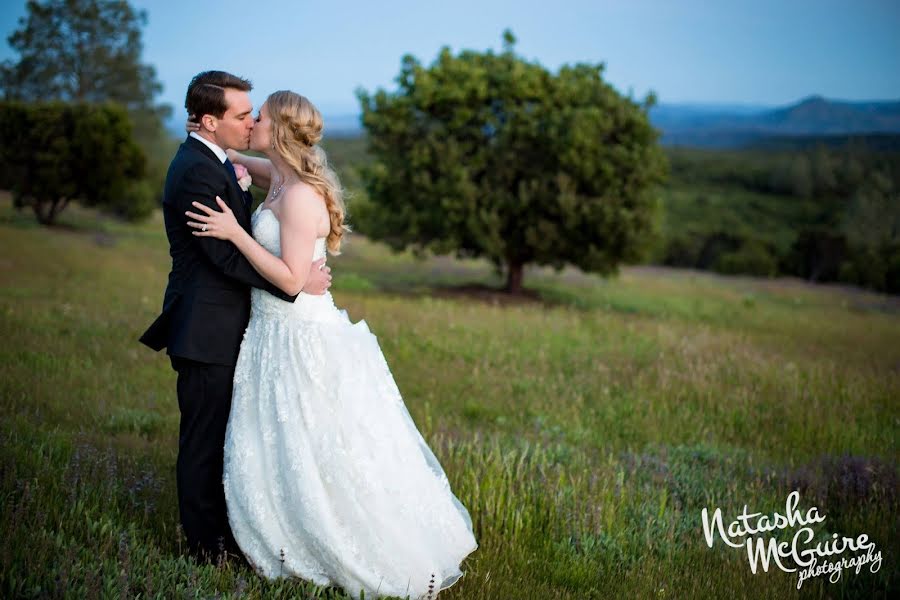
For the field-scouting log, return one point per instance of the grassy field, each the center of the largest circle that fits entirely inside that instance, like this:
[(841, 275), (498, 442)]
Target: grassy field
[(585, 427)]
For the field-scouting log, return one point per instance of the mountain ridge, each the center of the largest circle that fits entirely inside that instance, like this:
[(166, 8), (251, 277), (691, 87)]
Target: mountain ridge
[(708, 124), (814, 115)]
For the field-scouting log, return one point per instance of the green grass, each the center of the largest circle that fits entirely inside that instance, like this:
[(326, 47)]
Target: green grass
[(585, 429)]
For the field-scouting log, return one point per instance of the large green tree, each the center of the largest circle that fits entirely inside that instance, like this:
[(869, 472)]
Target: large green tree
[(53, 153), (89, 52), (490, 155), (81, 51)]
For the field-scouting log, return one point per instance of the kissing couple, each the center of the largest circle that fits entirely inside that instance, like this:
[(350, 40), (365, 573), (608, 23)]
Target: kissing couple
[(295, 450)]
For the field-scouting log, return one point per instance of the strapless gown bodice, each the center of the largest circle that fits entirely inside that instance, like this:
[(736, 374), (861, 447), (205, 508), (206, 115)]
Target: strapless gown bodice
[(267, 231)]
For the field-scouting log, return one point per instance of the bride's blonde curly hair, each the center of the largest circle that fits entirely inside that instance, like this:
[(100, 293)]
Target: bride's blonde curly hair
[(296, 129)]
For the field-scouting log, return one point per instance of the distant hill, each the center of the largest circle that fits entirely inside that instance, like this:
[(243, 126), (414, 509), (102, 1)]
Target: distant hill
[(346, 125), (721, 125), (739, 125), (733, 126)]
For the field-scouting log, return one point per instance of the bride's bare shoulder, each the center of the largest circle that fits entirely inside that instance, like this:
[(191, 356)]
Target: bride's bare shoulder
[(304, 201), (302, 193)]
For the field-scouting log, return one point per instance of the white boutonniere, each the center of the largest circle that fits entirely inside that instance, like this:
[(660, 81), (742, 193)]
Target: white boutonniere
[(243, 177)]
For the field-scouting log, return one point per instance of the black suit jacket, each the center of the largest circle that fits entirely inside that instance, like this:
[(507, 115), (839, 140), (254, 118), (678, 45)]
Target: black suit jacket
[(207, 301)]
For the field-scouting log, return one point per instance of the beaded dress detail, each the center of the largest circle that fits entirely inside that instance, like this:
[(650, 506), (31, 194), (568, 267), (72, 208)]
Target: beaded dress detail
[(326, 476)]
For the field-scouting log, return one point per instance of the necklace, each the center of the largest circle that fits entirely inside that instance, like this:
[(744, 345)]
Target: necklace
[(279, 188), (277, 191)]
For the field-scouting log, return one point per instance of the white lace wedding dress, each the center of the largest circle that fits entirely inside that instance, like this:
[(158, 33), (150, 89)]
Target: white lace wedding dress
[(326, 476)]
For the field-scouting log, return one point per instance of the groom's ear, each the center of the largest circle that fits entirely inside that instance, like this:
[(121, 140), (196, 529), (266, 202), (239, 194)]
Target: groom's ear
[(209, 122)]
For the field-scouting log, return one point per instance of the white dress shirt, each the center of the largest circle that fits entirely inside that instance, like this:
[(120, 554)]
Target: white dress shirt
[(218, 151)]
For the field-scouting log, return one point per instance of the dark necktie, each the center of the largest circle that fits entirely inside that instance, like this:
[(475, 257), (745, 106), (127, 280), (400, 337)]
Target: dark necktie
[(229, 166)]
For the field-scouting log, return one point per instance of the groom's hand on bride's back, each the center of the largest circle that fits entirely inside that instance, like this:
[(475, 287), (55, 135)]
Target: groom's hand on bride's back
[(319, 279)]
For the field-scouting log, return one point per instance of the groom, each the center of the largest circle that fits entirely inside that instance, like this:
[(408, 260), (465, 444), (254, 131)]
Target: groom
[(206, 306)]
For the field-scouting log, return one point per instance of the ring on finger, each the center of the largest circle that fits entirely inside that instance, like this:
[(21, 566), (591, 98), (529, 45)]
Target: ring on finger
[(203, 228)]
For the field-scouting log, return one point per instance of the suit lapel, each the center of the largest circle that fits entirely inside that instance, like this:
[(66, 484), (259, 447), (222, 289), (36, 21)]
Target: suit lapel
[(235, 198)]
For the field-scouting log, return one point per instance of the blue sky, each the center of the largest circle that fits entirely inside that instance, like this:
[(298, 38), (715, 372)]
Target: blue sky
[(770, 52)]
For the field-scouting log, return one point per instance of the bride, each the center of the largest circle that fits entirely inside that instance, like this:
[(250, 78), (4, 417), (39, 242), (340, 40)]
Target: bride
[(326, 476)]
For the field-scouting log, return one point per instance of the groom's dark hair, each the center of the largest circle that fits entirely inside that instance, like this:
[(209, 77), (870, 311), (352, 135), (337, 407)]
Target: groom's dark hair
[(206, 93)]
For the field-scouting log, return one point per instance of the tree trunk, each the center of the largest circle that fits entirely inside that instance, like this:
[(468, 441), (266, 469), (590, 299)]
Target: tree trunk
[(47, 210), (514, 277)]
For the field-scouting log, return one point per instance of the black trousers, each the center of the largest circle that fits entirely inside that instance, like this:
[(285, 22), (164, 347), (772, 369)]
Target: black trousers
[(204, 398)]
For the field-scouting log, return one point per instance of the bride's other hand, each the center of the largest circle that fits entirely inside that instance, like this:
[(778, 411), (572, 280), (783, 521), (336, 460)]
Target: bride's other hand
[(319, 279), (221, 225), (191, 125)]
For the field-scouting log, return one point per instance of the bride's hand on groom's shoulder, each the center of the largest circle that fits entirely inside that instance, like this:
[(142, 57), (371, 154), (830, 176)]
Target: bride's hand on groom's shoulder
[(221, 225)]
